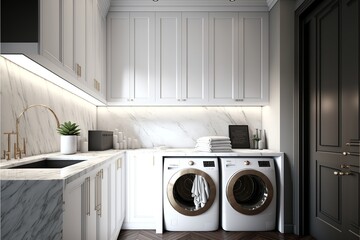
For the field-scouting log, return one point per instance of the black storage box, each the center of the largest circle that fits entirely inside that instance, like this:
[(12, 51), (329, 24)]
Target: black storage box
[(100, 140)]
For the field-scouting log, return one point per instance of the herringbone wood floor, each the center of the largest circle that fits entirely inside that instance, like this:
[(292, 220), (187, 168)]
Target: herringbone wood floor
[(217, 235)]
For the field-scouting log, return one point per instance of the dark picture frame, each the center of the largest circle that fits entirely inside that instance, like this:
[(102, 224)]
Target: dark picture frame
[(239, 136)]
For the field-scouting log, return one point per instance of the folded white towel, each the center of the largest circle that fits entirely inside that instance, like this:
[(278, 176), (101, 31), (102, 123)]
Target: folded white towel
[(213, 139), (199, 149), (213, 145)]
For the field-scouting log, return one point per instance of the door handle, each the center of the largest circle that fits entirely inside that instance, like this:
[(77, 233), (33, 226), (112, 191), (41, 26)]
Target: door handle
[(337, 173)]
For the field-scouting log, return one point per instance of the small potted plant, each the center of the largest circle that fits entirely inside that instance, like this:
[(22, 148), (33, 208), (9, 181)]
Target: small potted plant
[(68, 142)]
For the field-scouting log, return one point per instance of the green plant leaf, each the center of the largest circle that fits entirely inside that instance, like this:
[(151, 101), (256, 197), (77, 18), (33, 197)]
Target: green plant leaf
[(69, 128)]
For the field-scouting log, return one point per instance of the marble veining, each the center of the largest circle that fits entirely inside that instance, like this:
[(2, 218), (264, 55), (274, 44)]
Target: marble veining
[(21, 88), (176, 127), (31, 209)]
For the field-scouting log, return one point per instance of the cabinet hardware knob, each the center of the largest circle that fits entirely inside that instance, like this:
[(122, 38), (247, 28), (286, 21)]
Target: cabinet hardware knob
[(336, 173), (346, 153), (344, 166)]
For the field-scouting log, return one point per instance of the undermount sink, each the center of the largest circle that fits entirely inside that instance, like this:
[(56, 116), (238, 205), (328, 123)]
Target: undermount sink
[(49, 163)]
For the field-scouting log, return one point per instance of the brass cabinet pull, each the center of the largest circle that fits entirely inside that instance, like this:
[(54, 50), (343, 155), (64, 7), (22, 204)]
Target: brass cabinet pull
[(118, 163), (78, 70), (87, 197), (98, 192)]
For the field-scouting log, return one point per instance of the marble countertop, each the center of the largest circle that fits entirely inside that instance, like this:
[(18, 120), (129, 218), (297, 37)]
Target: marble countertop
[(92, 161), (95, 159)]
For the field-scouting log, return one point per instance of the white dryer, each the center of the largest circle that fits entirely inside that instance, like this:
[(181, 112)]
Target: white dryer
[(191, 194), (248, 194)]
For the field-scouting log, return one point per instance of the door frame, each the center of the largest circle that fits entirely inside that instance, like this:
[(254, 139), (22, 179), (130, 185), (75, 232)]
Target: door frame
[(302, 170)]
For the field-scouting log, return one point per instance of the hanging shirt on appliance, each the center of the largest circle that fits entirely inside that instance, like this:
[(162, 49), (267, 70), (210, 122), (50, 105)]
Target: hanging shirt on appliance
[(200, 191)]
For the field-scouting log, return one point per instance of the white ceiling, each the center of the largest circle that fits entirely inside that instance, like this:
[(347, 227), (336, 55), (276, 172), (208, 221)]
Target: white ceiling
[(193, 5)]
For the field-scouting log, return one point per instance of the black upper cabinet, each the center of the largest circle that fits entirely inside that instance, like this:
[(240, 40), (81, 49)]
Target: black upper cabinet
[(19, 21)]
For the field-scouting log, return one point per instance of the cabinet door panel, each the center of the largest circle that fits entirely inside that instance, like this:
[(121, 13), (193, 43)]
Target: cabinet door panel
[(119, 55), (80, 35), (223, 56), (68, 36), (142, 57), (139, 191), (168, 59), (195, 57), (90, 42), (89, 225), (253, 50), (72, 220), (51, 30)]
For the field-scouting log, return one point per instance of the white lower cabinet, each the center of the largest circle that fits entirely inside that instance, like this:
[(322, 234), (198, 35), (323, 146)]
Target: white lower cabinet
[(91, 202), (140, 190), (116, 197)]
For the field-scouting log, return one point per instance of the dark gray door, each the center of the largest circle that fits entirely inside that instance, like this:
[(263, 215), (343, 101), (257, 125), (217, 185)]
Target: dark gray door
[(331, 70)]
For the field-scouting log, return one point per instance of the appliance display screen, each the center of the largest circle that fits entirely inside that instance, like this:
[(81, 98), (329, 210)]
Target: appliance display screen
[(209, 164), (264, 163)]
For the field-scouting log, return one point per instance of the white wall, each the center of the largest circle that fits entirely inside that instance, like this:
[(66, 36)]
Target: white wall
[(21, 88), (278, 117)]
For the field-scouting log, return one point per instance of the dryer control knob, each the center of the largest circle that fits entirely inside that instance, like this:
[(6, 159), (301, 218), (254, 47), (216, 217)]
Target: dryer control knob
[(246, 163), (191, 163)]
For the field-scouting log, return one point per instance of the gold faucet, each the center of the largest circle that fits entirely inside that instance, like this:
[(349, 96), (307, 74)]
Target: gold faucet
[(7, 154), (17, 150)]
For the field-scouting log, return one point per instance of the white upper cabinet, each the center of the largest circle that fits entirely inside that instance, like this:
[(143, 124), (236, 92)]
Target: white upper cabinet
[(68, 36), (168, 57), (194, 84), (73, 39), (254, 58), (80, 39), (131, 58), (202, 58), (238, 58), (50, 30), (223, 57), (118, 56)]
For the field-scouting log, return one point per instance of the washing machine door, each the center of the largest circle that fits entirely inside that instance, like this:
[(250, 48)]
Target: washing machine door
[(249, 192), (183, 189)]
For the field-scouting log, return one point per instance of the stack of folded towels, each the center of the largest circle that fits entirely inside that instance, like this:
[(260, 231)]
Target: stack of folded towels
[(213, 144)]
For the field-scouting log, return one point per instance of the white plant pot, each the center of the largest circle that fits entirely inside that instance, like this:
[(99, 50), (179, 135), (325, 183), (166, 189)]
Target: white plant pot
[(68, 144)]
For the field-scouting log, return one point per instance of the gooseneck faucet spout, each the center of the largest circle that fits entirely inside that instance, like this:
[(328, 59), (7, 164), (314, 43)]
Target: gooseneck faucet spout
[(18, 152)]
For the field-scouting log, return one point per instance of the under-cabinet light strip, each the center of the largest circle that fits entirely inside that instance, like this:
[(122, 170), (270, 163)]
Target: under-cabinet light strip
[(30, 65)]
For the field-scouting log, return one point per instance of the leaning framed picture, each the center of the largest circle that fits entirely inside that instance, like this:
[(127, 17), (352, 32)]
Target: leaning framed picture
[(239, 136)]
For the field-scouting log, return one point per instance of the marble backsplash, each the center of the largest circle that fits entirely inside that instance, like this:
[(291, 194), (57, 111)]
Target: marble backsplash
[(152, 126), (176, 127), (21, 88)]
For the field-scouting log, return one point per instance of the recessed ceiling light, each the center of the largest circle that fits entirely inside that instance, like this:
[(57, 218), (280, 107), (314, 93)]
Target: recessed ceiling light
[(155, 0), (232, 0)]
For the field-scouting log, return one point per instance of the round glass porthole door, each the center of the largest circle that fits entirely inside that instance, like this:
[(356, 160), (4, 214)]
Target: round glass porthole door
[(249, 192), (191, 192)]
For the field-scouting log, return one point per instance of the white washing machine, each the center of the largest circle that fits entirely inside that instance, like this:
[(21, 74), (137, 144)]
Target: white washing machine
[(191, 194), (248, 194)]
